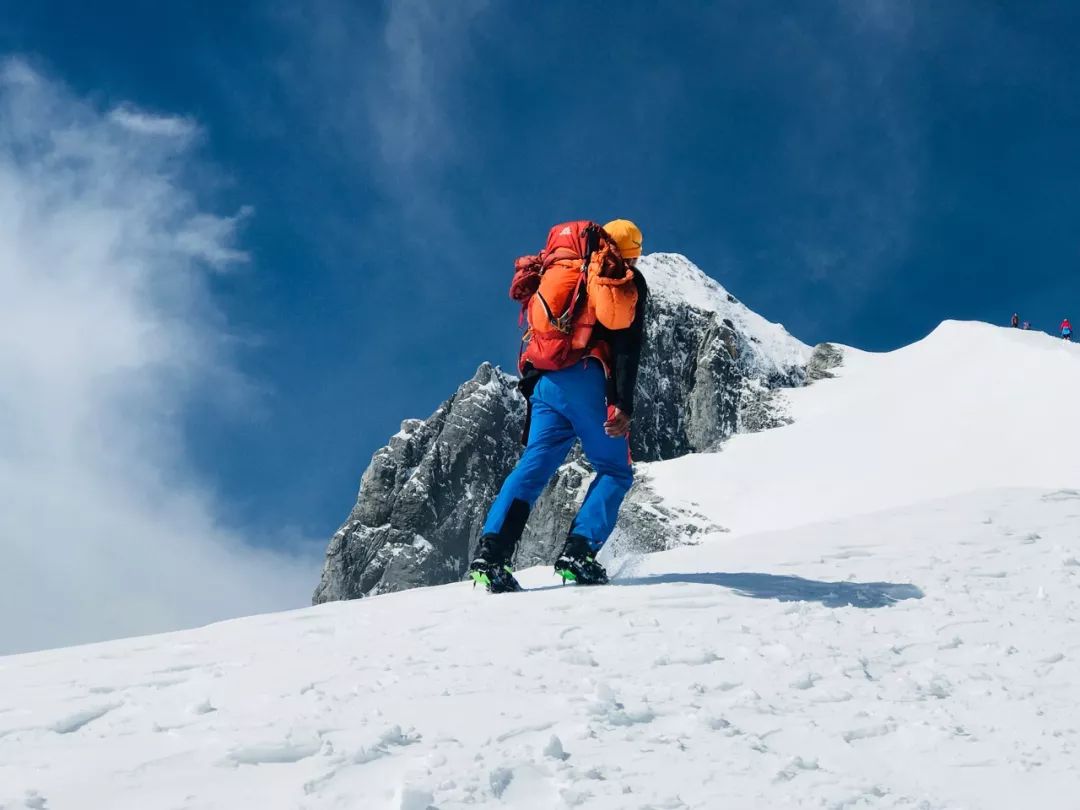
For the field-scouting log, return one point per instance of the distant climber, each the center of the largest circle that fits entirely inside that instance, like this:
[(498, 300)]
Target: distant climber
[(1066, 330), (584, 298), (1027, 326), (1015, 321)]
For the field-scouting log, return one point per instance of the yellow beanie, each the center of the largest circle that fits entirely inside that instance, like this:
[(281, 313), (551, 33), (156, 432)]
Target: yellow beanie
[(627, 236)]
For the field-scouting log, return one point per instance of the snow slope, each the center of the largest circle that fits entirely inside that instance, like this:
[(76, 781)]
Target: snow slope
[(825, 654), (970, 407), (761, 673)]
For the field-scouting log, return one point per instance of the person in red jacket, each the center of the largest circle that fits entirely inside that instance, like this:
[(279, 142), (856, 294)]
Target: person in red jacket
[(1066, 330), (578, 374)]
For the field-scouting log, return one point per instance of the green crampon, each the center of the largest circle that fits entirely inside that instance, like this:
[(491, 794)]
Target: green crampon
[(480, 577), (496, 580)]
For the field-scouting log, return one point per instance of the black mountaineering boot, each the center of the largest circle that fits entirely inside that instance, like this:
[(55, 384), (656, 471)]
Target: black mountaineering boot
[(491, 567), (577, 563)]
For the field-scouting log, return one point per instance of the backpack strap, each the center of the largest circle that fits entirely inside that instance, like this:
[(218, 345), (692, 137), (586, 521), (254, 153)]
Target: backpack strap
[(592, 233), (565, 322)]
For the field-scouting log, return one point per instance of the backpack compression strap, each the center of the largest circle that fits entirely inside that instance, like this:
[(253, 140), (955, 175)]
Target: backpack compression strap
[(564, 323)]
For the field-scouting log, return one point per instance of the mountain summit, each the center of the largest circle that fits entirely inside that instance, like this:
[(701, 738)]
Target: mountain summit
[(709, 370)]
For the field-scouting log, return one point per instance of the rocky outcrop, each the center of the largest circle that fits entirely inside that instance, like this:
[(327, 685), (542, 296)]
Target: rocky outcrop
[(825, 358), (710, 369), (423, 497)]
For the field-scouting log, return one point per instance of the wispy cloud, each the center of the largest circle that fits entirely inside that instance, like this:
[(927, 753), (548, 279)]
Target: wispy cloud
[(413, 91), (145, 123), (389, 108), (106, 333)]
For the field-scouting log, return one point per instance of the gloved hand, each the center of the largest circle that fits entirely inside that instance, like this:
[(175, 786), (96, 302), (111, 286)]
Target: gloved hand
[(617, 424)]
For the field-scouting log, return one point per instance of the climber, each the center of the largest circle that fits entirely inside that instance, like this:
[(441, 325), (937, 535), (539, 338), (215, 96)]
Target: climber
[(584, 297), (1027, 326), (1066, 330), (1015, 324)]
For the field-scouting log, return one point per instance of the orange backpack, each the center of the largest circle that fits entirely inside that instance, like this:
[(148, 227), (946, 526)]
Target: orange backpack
[(578, 280)]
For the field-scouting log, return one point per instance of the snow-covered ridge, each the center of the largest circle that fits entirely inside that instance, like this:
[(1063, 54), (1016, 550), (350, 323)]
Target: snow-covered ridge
[(677, 280), (969, 407)]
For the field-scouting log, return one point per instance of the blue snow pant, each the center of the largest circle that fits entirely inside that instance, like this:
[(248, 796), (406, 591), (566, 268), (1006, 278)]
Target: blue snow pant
[(566, 404)]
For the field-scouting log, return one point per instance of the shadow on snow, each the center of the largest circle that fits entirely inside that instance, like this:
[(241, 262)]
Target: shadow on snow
[(793, 589)]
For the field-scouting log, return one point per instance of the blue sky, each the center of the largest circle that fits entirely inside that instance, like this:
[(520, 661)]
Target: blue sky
[(857, 170)]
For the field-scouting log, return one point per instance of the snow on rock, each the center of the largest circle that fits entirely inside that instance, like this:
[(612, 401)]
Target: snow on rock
[(925, 657), (674, 279), (710, 368)]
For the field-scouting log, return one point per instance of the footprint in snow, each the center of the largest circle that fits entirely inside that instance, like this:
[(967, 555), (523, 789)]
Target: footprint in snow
[(807, 681), (794, 768), (578, 657), (700, 658), (847, 555), (74, 722), (201, 708), (176, 669), (1062, 495), (869, 732), (723, 726), (285, 752), (517, 732)]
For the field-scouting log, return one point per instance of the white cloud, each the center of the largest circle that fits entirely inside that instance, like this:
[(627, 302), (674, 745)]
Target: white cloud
[(16, 71), (145, 123), (106, 332), (411, 98)]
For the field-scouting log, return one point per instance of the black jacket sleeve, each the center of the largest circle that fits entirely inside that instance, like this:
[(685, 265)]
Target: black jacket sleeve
[(626, 352)]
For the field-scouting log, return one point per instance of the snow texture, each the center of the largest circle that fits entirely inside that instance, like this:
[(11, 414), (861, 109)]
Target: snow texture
[(920, 658), (890, 624)]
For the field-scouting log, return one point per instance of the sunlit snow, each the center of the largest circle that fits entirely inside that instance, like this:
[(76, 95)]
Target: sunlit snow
[(891, 623)]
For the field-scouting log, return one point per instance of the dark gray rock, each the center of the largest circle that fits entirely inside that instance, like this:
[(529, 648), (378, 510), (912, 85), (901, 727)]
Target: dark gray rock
[(423, 497), (710, 368)]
